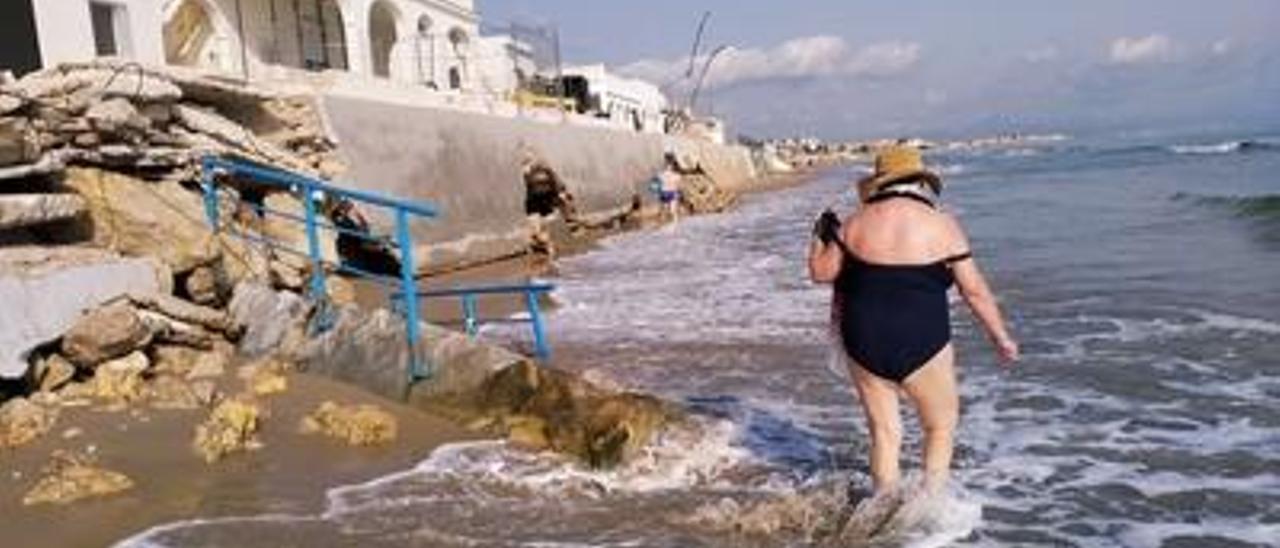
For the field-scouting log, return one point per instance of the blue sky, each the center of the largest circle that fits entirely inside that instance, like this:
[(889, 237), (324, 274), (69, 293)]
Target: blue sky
[(845, 68)]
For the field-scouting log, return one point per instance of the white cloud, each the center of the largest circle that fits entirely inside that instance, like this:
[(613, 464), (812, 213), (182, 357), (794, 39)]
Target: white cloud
[(806, 57), (1155, 47)]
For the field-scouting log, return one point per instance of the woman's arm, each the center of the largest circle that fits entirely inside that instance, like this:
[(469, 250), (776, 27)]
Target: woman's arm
[(981, 300), (824, 261), (825, 258)]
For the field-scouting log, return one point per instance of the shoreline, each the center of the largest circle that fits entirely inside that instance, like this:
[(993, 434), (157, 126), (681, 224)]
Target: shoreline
[(172, 483)]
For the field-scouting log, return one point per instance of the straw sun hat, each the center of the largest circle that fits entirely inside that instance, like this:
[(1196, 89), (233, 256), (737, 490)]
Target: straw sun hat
[(897, 164)]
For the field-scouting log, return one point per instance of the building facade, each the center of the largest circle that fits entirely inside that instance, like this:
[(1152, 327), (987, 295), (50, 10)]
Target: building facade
[(421, 42), (623, 101)]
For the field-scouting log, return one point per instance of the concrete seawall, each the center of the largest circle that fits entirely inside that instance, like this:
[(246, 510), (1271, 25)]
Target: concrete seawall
[(469, 164)]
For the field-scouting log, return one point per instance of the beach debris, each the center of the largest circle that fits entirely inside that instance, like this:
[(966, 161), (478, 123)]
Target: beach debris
[(22, 421), (104, 334), (71, 477), (120, 381), (232, 427), (359, 425), (53, 372)]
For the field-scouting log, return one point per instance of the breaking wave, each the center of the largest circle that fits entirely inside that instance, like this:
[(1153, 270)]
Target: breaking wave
[(1225, 147), (1264, 207)]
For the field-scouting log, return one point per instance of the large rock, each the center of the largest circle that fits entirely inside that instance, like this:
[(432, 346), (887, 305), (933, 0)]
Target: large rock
[(22, 421), (140, 218), (271, 319), (19, 144), (23, 210), (121, 380), (46, 290), (116, 116), (105, 334)]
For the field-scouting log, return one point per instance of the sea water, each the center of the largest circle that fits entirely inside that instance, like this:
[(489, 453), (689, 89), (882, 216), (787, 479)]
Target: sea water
[(1142, 278)]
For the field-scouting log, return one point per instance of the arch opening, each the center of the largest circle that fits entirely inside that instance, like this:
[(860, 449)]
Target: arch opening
[(382, 37)]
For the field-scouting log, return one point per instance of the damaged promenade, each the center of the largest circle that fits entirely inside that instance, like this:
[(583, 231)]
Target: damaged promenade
[(135, 337)]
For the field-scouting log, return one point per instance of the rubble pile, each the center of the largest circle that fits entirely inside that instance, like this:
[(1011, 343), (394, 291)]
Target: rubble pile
[(123, 115)]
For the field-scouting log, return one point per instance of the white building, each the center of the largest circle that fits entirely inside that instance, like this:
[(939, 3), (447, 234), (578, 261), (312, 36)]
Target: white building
[(624, 101), (41, 33), (421, 42)]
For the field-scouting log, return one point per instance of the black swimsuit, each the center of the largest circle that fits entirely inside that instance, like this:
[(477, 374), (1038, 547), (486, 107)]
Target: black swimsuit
[(894, 318)]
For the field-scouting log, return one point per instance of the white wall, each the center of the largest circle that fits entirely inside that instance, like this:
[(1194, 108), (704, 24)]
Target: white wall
[(66, 31)]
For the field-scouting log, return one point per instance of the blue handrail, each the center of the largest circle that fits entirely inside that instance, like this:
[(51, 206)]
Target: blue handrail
[(472, 320), (306, 188)]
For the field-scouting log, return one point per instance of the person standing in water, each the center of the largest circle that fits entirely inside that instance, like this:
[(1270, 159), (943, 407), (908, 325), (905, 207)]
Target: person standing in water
[(669, 187), (891, 264)]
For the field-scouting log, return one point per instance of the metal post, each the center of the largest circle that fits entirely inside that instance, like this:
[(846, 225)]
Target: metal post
[(404, 240), (535, 319), (210, 193), (470, 320), (318, 290)]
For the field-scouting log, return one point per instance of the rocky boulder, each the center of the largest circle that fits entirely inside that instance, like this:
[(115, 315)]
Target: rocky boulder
[(354, 424), (22, 421), (141, 218), (232, 427), (105, 334)]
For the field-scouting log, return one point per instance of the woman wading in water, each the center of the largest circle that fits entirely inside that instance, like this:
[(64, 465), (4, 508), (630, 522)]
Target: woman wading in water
[(891, 264)]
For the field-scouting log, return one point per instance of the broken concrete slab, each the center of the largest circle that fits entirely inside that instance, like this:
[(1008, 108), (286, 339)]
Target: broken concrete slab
[(23, 210), (46, 290), (46, 165)]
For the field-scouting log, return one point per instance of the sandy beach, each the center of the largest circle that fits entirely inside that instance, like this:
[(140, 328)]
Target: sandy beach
[(290, 474)]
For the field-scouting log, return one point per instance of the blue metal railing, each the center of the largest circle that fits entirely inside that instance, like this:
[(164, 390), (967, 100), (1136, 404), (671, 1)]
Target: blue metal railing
[(307, 189), (471, 318)]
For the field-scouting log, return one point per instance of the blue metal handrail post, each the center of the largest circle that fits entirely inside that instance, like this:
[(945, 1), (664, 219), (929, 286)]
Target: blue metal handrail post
[(318, 290), (210, 193), (470, 317), (539, 334), (410, 291)]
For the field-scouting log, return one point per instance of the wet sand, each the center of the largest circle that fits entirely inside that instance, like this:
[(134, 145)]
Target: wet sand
[(290, 474)]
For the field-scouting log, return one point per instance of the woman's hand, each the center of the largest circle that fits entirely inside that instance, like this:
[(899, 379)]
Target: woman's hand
[(1008, 350)]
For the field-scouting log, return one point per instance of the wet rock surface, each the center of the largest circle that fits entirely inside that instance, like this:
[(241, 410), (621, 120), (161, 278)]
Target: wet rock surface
[(70, 478), (232, 427), (358, 425), (105, 334), (22, 421)]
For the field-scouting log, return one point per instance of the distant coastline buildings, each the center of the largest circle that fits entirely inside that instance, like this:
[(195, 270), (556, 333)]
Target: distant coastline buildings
[(369, 46)]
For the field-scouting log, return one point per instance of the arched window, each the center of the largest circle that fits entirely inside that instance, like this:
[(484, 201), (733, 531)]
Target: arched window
[(321, 34), (382, 37), (188, 36)]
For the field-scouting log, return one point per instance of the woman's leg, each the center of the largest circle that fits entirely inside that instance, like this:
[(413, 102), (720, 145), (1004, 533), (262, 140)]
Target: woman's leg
[(879, 400), (932, 389)]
